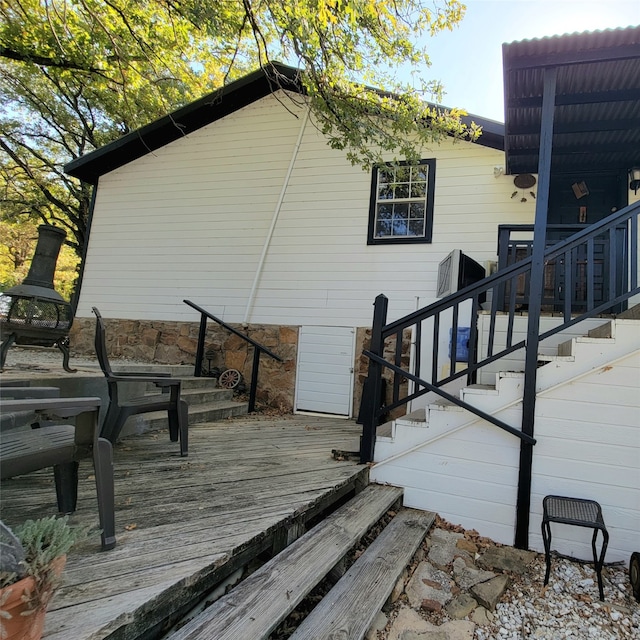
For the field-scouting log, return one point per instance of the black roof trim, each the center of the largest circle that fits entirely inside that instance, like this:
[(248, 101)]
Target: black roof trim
[(191, 117), (212, 107)]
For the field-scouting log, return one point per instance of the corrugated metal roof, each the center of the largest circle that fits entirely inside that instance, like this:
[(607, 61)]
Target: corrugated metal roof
[(597, 115), (576, 40)]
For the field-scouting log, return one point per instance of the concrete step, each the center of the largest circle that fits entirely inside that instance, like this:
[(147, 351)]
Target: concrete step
[(198, 414), (204, 395), (188, 383), (213, 411), (176, 370)]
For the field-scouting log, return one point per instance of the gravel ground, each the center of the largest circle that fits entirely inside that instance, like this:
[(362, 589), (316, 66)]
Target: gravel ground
[(568, 607)]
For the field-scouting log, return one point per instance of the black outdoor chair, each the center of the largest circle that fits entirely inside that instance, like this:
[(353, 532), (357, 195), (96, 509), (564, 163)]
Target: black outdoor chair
[(61, 446), (120, 409)]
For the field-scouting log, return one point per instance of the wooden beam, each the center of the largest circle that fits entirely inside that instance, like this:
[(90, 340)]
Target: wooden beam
[(578, 151), (586, 126), (587, 97)]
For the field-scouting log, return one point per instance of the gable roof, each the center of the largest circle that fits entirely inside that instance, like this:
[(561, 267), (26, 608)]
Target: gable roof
[(212, 107), (597, 119)]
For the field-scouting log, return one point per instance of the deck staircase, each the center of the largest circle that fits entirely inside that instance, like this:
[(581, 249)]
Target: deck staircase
[(443, 455), (256, 607), (576, 357), (207, 402)]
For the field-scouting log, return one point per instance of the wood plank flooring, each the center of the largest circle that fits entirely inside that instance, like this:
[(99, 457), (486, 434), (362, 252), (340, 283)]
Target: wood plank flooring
[(184, 524), (258, 605), (349, 609)]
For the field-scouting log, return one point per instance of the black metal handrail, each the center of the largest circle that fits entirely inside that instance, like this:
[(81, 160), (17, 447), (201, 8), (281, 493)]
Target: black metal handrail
[(465, 305), (513, 249), (257, 349)]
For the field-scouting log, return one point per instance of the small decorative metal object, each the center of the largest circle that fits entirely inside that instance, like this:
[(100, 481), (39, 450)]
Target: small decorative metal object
[(580, 189), (230, 379), (524, 181), (34, 313), (634, 179)]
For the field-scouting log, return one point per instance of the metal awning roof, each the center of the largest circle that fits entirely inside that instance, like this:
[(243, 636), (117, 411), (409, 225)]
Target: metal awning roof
[(597, 112)]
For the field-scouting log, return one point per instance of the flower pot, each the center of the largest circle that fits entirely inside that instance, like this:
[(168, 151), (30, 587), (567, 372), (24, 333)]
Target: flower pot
[(20, 617)]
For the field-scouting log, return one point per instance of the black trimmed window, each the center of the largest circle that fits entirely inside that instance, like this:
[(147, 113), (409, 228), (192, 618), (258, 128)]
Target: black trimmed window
[(401, 207)]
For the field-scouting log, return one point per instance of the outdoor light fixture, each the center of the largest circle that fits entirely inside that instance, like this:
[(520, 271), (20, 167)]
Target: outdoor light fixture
[(634, 179)]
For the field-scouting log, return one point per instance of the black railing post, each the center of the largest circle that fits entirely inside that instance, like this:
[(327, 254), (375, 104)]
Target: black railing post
[(200, 352), (536, 286), (254, 379), (371, 403)]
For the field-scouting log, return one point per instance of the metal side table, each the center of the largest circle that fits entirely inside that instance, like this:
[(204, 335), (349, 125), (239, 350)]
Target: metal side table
[(580, 513)]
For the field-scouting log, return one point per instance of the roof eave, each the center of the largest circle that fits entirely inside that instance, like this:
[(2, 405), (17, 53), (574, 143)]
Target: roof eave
[(183, 121)]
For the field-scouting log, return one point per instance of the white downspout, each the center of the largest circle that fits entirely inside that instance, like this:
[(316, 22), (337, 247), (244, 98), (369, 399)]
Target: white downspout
[(274, 220)]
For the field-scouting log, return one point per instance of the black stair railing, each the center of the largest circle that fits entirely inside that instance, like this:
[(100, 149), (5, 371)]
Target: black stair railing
[(497, 295), (257, 350), (515, 242)]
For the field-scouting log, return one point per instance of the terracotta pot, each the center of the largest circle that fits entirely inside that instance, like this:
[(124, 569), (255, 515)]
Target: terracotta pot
[(30, 626)]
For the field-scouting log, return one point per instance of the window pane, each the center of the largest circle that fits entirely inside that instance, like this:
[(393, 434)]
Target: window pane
[(383, 228), (416, 228), (399, 227), (400, 211), (402, 190), (418, 189), (384, 211), (420, 173), (385, 192), (403, 174), (385, 176), (417, 210)]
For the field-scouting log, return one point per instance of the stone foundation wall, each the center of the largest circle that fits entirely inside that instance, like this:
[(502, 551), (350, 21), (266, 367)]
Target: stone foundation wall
[(363, 342), (176, 343)]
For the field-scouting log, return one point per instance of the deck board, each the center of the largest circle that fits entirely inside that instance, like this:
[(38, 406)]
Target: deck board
[(262, 601), (191, 521), (349, 609)]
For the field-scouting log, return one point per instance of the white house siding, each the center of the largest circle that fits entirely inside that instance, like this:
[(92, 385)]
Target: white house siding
[(588, 434), (468, 478), (190, 219)]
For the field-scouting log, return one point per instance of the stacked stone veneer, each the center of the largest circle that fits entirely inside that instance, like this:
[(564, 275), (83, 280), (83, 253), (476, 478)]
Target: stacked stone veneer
[(174, 343), (363, 342)]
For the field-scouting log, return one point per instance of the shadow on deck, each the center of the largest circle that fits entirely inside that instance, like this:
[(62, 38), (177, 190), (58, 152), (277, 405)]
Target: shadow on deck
[(249, 487)]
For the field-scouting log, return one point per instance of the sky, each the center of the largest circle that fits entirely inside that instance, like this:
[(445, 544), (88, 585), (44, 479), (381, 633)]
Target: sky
[(468, 61)]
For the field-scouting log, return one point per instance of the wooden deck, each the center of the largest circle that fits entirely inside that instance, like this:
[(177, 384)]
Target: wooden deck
[(248, 486)]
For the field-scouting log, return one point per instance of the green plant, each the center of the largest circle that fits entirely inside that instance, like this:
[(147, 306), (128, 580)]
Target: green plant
[(30, 551)]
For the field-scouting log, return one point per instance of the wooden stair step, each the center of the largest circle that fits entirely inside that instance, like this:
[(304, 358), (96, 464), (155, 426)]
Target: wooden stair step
[(258, 604), (349, 609)]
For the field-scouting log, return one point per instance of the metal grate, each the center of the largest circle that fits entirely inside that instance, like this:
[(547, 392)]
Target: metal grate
[(574, 510)]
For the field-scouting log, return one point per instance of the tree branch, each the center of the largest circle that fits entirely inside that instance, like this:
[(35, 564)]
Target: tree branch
[(46, 61)]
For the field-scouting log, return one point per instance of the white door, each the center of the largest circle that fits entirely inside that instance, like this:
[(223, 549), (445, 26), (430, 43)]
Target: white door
[(324, 380)]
